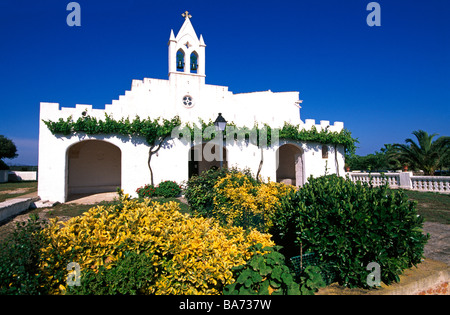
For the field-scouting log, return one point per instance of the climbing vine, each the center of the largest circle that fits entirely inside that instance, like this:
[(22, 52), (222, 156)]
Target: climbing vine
[(156, 131), (152, 131)]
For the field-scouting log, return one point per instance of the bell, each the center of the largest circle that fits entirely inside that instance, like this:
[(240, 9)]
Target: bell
[(194, 66), (180, 65)]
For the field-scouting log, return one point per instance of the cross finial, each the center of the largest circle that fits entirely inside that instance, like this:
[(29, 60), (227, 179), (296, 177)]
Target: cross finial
[(186, 15)]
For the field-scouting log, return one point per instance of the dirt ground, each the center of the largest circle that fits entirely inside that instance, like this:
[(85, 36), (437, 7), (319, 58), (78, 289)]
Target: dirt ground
[(438, 246), (88, 199), (430, 277)]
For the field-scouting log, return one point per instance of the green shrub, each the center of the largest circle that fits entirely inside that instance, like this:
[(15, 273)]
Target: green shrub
[(19, 260), (265, 273), (168, 189), (311, 280), (134, 274), (350, 225), (200, 191), (148, 191)]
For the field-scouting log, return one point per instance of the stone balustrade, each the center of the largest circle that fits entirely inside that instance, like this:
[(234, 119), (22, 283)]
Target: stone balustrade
[(431, 183), (404, 180), (377, 179)]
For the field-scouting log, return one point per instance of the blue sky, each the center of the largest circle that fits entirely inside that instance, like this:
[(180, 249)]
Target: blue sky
[(382, 82)]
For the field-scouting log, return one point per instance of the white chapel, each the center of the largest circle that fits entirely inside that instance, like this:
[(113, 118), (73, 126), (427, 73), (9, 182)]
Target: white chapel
[(82, 163)]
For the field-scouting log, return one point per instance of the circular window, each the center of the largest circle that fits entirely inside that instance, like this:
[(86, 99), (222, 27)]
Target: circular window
[(188, 101)]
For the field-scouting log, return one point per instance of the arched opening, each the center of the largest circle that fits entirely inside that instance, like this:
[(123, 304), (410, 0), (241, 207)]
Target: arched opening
[(94, 166), (206, 156), (290, 165), (194, 62), (180, 60)]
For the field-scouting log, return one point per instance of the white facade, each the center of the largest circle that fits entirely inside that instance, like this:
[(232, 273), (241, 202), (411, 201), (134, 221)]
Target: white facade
[(66, 166)]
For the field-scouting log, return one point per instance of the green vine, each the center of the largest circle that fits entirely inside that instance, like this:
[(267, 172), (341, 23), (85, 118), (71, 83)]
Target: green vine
[(156, 131), (153, 131), (150, 130)]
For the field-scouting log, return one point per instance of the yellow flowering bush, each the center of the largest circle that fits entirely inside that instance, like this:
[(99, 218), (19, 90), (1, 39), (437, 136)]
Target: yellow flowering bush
[(188, 255), (239, 200)]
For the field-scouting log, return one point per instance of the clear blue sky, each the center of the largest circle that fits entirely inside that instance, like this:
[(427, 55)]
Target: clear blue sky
[(382, 82)]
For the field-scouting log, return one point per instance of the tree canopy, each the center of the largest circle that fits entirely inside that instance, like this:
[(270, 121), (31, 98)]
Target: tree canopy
[(7, 150), (425, 154)]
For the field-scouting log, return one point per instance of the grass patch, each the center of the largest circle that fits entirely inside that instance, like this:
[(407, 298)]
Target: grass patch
[(434, 207), (16, 189)]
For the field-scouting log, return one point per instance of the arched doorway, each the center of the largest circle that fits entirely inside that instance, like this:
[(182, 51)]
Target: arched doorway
[(94, 166), (206, 156), (290, 165)]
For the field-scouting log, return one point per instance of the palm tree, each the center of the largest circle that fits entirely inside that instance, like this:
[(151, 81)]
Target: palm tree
[(427, 155)]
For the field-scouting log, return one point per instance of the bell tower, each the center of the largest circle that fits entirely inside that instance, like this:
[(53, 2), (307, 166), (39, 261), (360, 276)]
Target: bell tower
[(186, 51)]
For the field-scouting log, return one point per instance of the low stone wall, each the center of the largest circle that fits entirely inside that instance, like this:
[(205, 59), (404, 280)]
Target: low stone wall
[(13, 207)]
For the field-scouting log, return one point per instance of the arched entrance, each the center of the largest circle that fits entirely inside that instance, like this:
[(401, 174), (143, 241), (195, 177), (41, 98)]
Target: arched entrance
[(94, 166), (290, 165), (206, 156)]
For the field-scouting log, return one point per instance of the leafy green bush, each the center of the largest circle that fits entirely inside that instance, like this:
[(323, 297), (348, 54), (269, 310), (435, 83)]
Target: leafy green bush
[(265, 273), (168, 189), (146, 191), (350, 225), (19, 260), (134, 274), (311, 280), (165, 189), (200, 191)]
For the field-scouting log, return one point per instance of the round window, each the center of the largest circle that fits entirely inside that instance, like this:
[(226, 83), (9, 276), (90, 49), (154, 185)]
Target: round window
[(188, 101)]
